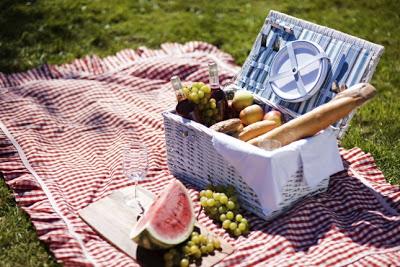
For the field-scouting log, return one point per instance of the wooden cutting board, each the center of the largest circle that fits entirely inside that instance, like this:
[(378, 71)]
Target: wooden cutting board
[(113, 220)]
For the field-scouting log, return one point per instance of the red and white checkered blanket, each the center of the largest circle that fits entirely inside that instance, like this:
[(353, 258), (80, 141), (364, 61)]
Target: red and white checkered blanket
[(61, 150)]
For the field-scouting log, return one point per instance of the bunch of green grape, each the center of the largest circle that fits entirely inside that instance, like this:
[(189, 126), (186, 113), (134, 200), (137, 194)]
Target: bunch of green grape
[(222, 206), (193, 249), (200, 93)]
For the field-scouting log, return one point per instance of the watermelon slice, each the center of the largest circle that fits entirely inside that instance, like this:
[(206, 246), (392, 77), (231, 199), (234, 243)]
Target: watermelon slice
[(168, 221)]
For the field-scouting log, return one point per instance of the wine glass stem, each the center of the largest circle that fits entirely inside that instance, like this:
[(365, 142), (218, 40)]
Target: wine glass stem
[(136, 183)]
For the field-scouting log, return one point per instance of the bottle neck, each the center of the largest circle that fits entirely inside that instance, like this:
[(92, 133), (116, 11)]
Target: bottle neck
[(214, 79)]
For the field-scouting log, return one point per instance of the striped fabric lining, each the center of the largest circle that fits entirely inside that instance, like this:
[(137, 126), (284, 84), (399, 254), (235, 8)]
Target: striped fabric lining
[(352, 61)]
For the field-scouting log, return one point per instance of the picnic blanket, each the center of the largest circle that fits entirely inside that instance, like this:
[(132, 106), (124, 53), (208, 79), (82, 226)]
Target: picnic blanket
[(60, 150)]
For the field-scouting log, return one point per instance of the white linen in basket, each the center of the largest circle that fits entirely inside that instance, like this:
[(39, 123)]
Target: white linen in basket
[(267, 172)]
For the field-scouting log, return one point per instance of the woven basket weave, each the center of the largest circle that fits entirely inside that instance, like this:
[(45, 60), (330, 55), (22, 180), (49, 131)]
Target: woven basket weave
[(192, 158), (191, 155)]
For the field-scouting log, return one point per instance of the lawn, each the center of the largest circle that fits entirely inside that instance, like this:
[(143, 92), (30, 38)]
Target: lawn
[(37, 32)]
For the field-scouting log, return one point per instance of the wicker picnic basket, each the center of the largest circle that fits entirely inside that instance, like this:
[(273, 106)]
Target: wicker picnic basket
[(190, 151)]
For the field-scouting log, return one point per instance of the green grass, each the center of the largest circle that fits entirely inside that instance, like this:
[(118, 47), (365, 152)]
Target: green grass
[(37, 32)]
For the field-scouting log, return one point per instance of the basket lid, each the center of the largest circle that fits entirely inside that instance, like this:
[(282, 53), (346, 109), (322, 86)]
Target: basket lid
[(298, 70), (293, 64)]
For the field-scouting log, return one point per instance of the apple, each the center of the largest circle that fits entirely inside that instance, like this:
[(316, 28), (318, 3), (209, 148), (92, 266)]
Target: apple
[(251, 114), (273, 115), (241, 100)]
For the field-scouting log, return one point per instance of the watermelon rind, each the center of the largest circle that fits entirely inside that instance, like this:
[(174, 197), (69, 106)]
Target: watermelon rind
[(147, 238)]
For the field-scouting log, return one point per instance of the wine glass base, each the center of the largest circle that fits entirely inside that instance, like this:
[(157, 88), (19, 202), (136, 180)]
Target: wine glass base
[(134, 204)]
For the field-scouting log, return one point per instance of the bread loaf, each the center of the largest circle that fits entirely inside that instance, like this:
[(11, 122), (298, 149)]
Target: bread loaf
[(227, 126), (321, 117), (256, 129)]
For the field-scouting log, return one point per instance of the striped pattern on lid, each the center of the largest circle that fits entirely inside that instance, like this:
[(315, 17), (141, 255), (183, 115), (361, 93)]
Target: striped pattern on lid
[(353, 60)]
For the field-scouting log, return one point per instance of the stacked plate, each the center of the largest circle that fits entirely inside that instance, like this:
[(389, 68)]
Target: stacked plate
[(298, 71)]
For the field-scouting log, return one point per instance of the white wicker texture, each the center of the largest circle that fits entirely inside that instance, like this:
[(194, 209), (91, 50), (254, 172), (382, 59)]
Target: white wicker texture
[(193, 159)]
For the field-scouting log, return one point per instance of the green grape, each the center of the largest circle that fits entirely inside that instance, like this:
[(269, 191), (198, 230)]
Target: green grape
[(222, 209), (222, 217), (216, 196), (203, 201), (230, 205), (168, 256), (237, 232), (223, 199), (203, 249), (209, 193), (184, 262), (207, 96), (213, 105), (209, 112), (202, 193), (186, 250), (203, 239), (212, 100), (186, 91), (200, 84), (204, 101), (226, 224), (200, 94), (210, 202), (194, 90), (233, 226), (216, 244), (206, 89), (244, 220), (197, 255), (194, 233), (245, 232), (242, 226), (230, 215), (210, 247), (215, 112), (194, 97), (214, 211), (239, 217), (194, 249), (190, 243), (195, 240)]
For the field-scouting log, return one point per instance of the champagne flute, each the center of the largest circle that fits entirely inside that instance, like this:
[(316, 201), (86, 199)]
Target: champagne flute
[(135, 168)]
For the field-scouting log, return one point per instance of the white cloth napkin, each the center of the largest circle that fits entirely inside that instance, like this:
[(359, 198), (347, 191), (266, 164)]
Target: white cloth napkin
[(267, 172)]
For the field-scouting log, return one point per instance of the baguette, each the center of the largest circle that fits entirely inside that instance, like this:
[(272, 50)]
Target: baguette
[(257, 129), (321, 117), (227, 126)]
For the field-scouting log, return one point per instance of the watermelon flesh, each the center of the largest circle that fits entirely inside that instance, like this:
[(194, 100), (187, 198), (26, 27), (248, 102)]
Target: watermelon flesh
[(168, 221)]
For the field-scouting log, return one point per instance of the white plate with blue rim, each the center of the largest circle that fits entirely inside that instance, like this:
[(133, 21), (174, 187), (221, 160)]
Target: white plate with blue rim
[(298, 70)]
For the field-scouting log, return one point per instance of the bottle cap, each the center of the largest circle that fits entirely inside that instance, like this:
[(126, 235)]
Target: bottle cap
[(176, 83)]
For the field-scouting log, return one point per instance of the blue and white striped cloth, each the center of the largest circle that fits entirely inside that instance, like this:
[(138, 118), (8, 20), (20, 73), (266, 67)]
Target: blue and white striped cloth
[(353, 60)]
